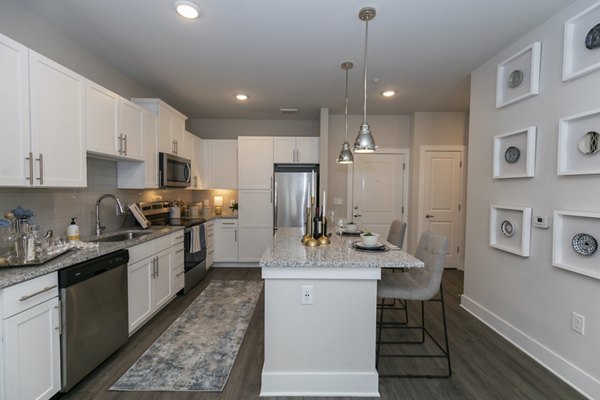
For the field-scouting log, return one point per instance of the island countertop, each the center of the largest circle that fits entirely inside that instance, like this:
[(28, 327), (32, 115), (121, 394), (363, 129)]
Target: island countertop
[(286, 251)]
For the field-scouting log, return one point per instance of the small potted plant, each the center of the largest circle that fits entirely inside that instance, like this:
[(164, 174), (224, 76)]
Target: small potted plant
[(234, 208)]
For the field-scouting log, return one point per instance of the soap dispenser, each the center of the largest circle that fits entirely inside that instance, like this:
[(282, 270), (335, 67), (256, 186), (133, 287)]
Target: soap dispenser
[(73, 230)]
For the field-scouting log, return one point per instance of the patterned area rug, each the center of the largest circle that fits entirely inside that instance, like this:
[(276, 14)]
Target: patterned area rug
[(197, 352)]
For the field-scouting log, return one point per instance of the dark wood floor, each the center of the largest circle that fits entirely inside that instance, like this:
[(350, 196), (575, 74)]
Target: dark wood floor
[(485, 366)]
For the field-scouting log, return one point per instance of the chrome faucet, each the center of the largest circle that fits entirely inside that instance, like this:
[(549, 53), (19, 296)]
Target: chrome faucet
[(120, 211)]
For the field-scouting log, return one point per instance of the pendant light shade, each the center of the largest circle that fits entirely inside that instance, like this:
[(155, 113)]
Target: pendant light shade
[(364, 142), (346, 156)]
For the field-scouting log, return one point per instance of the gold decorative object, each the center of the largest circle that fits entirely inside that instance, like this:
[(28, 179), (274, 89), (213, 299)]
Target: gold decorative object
[(323, 240), (308, 239)]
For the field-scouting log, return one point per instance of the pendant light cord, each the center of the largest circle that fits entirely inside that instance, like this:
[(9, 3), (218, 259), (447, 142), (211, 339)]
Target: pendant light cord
[(365, 78), (346, 109)]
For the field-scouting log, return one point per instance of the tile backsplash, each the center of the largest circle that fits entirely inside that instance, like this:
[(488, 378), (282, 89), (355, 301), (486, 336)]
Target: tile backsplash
[(53, 208)]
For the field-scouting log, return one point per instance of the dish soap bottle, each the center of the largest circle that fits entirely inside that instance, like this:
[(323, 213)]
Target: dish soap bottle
[(73, 230)]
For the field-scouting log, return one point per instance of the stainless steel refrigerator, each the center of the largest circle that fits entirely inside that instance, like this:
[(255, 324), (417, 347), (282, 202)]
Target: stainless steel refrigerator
[(291, 193)]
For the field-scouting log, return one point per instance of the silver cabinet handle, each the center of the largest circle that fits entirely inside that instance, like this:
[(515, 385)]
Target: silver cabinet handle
[(357, 215), (157, 267), (125, 147), (120, 145), (30, 159), (44, 290), (41, 160), (179, 251), (179, 274), (179, 237), (210, 235), (153, 275), (236, 235), (428, 216)]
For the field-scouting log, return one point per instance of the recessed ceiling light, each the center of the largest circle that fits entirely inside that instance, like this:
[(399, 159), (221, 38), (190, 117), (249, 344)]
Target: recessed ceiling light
[(187, 9), (241, 97), (389, 93)]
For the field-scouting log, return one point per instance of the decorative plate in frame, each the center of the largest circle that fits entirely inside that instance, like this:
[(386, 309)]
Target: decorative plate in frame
[(514, 154), (575, 242), (510, 229), (581, 52), (518, 77), (578, 144)]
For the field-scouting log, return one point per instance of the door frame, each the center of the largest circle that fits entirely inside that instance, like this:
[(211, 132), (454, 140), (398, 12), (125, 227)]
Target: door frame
[(461, 194), (405, 190)]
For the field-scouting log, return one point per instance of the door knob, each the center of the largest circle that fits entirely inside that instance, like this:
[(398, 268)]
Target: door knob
[(428, 216)]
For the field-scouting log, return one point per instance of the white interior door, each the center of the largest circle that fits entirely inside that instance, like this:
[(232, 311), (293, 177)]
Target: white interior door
[(378, 196), (441, 193)]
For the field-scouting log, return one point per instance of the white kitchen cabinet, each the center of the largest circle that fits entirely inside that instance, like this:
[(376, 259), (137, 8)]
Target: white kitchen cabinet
[(186, 148), (226, 240), (31, 339), (171, 125), (197, 182), (219, 164), (210, 243), (295, 150), (102, 120), (142, 175), (255, 162), (14, 113), (57, 104), (177, 278), (150, 277), (131, 129), (255, 223)]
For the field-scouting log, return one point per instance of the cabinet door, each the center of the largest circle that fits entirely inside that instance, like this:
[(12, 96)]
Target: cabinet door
[(177, 133), (186, 145), (57, 127), (223, 164), (14, 113), (284, 150), (255, 223), (101, 121), (229, 242), (255, 162), (150, 125), (31, 350), (162, 286), (139, 290), (196, 162), (131, 127), (165, 142), (307, 150), (205, 171)]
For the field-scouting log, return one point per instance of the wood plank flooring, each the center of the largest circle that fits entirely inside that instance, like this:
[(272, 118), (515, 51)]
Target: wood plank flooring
[(485, 366)]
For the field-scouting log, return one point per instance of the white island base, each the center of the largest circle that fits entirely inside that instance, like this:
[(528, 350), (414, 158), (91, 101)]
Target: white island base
[(326, 348)]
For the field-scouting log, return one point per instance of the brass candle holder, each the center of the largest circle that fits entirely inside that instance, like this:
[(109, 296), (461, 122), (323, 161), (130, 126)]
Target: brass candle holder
[(307, 234), (323, 239), (311, 241)]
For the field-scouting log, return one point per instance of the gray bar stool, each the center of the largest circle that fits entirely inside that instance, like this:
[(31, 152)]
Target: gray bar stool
[(420, 284), (396, 237)]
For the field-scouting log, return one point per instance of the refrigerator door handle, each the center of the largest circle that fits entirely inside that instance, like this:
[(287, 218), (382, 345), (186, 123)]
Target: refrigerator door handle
[(275, 207)]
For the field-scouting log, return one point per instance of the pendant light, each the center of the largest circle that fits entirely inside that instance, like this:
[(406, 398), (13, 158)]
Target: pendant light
[(364, 142), (346, 156)]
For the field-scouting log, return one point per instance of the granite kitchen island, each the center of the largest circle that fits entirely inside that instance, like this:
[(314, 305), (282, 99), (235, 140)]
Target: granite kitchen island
[(326, 348)]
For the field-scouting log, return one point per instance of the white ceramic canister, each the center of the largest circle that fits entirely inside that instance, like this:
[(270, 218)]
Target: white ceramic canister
[(175, 212)]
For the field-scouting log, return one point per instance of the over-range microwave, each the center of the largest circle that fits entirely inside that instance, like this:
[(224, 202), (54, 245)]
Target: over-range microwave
[(174, 171)]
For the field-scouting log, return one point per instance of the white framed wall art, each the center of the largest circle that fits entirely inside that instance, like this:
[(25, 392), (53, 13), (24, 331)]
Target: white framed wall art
[(510, 229), (575, 242), (579, 144), (518, 77), (514, 154), (581, 52)]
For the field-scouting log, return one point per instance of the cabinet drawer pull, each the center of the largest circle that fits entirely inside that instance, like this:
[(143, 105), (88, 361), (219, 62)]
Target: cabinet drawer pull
[(210, 235), (125, 146), (228, 223), (179, 274), (179, 251), (44, 290), (179, 237)]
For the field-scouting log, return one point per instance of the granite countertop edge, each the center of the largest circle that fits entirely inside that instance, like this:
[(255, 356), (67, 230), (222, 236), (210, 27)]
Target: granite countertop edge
[(13, 275)]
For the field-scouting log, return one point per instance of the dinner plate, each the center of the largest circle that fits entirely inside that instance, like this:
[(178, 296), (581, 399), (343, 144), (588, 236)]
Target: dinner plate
[(359, 245), (356, 233)]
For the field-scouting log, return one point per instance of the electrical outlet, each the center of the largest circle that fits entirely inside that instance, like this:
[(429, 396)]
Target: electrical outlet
[(338, 201), (578, 323), (307, 294)]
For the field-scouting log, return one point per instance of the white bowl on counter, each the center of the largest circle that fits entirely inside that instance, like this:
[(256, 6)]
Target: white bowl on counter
[(351, 227), (369, 239)]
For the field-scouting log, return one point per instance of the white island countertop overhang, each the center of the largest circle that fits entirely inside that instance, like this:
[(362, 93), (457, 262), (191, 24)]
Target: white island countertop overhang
[(326, 347)]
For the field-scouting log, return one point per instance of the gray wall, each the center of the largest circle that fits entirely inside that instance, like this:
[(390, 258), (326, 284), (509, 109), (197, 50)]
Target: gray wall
[(528, 299), (232, 128)]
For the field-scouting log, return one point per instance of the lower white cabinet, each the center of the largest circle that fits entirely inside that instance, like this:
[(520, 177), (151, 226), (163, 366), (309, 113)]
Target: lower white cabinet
[(150, 274), (226, 240), (210, 243), (177, 280), (30, 361)]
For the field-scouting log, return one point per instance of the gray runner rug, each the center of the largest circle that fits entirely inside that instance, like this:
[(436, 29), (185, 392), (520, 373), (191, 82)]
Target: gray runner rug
[(197, 352)]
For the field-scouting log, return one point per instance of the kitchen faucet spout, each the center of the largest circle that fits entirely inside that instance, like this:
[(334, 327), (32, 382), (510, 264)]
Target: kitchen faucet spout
[(120, 211)]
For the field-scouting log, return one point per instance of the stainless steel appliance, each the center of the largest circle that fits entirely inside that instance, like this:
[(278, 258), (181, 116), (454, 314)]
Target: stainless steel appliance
[(174, 171), (158, 213), (291, 193), (94, 315)]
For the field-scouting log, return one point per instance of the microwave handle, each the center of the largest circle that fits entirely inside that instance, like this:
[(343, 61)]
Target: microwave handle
[(187, 173)]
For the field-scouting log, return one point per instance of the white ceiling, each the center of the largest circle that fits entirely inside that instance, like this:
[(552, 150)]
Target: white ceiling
[(287, 53)]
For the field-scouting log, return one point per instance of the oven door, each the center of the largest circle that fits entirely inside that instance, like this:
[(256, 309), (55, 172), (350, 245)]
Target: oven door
[(192, 259)]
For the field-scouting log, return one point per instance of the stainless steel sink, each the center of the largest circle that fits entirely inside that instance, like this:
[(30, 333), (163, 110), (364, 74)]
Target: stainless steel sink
[(120, 237)]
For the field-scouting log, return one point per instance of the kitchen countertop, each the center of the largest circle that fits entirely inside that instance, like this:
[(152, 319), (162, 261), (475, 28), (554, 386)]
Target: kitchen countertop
[(13, 275), (286, 251)]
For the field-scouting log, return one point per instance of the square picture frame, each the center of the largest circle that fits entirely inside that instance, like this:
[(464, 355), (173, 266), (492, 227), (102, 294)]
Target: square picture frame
[(518, 77), (581, 49), (514, 154), (510, 229), (575, 241), (579, 144)]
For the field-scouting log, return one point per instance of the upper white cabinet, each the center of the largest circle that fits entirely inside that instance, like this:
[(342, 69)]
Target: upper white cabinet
[(255, 162), (58, 143), (131, 129), (186, 147), (14, 113), (196, 163), (300, 150), (171, 125), (219, 164)]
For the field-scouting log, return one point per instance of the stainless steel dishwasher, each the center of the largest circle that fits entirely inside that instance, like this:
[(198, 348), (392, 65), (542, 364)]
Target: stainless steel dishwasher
[(94, 314)]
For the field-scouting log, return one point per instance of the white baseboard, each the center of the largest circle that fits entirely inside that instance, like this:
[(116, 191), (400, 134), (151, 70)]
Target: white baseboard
[(313, 384), (580, 380)]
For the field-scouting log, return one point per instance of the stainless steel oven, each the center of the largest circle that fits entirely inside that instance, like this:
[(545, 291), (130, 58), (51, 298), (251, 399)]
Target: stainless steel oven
[(174, 171), (194, 255)]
